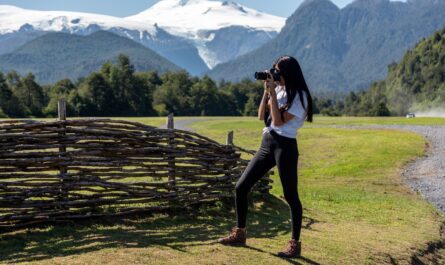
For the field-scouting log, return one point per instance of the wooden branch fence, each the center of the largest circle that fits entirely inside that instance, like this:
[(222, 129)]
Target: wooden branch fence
[(72, 169)]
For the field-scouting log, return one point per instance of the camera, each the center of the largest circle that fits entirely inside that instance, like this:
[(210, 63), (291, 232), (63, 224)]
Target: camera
[(263, 75)]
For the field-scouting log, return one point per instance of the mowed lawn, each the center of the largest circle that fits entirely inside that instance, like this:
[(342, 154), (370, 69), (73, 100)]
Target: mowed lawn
[(356, 209)]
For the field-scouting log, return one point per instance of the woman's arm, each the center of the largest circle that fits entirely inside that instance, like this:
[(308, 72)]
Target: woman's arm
[(261, 107), (275, 112)]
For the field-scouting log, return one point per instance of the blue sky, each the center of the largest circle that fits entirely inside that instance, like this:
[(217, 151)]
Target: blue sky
[(124, 8)]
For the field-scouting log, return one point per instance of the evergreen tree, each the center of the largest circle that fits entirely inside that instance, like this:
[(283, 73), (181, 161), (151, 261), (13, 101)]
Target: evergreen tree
[(61, 90), (96, 97), (13, 79), (204, 97), (173, 95), (9, 103), (147, 82), (2, 114), (252, 105), (29, 93), (380, 110)]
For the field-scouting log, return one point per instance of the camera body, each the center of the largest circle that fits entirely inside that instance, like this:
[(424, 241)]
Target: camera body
[(276, 76)]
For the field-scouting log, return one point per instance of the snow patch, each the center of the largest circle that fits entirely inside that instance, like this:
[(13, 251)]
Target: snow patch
[(187, 18), (13, 18)]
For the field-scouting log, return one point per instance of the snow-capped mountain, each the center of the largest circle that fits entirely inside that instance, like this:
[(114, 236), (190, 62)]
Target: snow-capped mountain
[(194, 34), (19, 26), (212, 25), (189, 17)]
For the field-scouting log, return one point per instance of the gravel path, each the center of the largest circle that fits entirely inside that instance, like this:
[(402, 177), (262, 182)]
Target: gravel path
[(425, 175), (182, 124)]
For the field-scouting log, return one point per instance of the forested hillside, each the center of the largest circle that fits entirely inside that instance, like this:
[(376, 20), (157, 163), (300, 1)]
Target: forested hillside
[(416, 83), (343, 49), (55, 56)]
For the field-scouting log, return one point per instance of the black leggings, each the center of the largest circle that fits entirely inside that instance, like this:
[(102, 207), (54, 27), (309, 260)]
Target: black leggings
[(274, 150)]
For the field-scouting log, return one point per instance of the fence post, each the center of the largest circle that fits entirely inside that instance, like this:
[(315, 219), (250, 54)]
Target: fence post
[(171, 159), (61, 111), (228, 201), (229, 139)]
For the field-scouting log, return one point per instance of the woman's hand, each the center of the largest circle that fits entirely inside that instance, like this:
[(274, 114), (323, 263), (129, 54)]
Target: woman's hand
[(270, 85), (272, 91)]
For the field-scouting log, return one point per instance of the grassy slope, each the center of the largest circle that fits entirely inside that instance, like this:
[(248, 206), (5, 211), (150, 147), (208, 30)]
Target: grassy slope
[(355, 206)]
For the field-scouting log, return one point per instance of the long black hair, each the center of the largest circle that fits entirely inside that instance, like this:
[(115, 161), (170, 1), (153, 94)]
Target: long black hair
[(294, 83)]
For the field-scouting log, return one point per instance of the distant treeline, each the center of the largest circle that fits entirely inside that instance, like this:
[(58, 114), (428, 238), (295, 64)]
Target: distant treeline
[(117, 90), (362, 103)]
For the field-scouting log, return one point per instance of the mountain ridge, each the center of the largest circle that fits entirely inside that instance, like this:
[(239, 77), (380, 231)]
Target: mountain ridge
[(343, 49), (200, 50), (56, 55)]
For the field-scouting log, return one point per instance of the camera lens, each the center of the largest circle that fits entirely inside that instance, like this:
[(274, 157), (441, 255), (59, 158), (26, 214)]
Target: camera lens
[(260, 75)]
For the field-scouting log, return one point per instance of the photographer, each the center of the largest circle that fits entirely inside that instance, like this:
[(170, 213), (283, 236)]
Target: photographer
[(285, 105)]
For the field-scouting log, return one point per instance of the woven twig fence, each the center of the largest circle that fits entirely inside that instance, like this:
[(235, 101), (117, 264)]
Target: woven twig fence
[(71, 169)]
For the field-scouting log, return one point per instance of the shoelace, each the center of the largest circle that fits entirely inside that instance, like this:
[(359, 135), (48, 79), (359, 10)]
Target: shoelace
[(233, 234), (290, 247)]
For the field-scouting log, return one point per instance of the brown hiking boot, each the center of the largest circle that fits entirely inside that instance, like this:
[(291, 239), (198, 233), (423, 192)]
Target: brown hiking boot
[(237, 236), (293, 250)]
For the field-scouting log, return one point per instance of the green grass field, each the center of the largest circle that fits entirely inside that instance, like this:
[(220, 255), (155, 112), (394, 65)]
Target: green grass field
[(153, 121), (321, 120), (318, 120), (356, 208)]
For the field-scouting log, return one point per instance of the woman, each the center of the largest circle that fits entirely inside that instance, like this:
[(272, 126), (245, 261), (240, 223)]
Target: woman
[(285, 106)]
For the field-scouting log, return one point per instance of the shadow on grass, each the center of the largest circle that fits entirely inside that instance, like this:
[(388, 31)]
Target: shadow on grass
[(178, 230)]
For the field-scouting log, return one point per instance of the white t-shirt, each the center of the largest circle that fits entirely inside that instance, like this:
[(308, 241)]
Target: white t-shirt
[(289, 129)]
